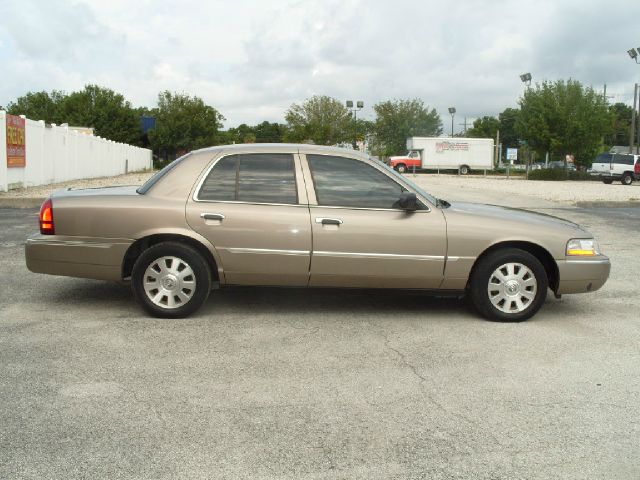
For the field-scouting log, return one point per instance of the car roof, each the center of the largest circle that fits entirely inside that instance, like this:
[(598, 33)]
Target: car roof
[(284, 147)]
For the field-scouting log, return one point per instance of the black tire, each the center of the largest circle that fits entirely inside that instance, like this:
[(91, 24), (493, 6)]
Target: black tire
[(608, 181), (464, 170), (483, 273), (627, 178), (188, 256), (401, 168)]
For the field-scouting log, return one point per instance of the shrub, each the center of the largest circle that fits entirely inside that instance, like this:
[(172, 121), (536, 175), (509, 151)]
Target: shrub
[(556, 174)]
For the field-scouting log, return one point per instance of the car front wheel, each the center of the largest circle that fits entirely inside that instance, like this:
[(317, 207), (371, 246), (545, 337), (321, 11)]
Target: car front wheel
[(607, 181), (508, 285), (171, 280)]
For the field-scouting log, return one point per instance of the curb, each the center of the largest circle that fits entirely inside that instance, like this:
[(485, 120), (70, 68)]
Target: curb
[(25, 202), (608, 204)]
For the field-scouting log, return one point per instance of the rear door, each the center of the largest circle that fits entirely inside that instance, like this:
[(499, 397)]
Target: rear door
[(253, 208), (360, 237)]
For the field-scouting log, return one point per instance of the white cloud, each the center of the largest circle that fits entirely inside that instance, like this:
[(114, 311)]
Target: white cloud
[(252, 59)]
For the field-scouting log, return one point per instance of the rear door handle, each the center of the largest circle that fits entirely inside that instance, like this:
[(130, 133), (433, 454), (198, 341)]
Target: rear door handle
[(212, 216), (329, 221)]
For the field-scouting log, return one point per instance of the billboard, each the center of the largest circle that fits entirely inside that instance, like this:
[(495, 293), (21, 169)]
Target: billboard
[(16, 142)]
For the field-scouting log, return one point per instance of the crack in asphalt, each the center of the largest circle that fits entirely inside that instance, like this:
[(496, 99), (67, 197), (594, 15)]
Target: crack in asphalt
[(422, 381)]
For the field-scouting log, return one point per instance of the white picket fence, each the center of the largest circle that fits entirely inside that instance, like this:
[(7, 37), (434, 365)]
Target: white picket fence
[(56, 154)]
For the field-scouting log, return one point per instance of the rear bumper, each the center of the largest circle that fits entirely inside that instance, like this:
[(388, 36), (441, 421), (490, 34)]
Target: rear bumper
[(582, 275), (84, 257)]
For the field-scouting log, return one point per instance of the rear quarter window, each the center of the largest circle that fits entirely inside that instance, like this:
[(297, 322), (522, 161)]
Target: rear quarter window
[(623, 159)]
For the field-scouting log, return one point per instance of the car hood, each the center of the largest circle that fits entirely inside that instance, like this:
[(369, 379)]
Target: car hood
[(96, 192), (399, 157), (515, 215)]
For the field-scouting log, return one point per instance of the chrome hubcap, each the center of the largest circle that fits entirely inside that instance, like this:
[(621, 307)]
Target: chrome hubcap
[(512, 287), (169, 282)]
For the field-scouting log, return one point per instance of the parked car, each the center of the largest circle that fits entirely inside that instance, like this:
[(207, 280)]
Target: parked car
[(621, 167), (307, 216), (562, 165)]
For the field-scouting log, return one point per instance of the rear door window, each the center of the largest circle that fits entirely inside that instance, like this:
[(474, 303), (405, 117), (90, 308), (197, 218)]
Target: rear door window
[(252, 178)]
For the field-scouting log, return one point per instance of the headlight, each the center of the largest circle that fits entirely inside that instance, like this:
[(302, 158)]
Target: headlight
[(585, 247)]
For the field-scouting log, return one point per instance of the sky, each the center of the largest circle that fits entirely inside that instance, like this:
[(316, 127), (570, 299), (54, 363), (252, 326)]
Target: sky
[(253, 59)]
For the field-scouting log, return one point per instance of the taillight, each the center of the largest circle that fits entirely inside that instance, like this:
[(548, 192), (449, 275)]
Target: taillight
[(636, 169), (46, 218)]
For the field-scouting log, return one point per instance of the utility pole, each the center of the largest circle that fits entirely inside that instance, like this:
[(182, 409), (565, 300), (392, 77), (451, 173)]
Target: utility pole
[(638, 121), (498, 152), (633, 118), (464, 125)]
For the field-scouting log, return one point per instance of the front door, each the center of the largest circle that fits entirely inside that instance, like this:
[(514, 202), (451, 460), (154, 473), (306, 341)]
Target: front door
[(361, 238), (253, 209)]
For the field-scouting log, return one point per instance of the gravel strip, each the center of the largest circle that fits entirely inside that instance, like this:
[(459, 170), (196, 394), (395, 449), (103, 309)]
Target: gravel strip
[(568, 192)]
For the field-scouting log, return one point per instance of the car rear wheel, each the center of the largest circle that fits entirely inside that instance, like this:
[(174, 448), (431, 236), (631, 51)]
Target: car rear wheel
[(508, 285), (626, 179), (608, 181), (171, 280), (401, 168), (464, 170)]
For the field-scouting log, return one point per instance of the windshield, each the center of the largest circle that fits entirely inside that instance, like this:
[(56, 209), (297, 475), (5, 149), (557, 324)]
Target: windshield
[(415, 187), (144, 188)]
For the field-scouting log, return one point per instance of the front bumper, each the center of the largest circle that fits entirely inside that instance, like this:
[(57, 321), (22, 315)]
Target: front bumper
[(581, 275), (84, 257)]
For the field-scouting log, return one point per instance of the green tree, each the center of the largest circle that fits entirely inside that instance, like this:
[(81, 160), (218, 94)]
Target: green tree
[(184, 123), (398, 120), (621, 124), (108, 112), (564, 118), (485, 127), (267, 132), (39, 106), (320, 119), (243, 133), (508, 134)]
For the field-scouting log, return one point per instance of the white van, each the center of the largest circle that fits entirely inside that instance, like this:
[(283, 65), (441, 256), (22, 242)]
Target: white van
[(617, 166)]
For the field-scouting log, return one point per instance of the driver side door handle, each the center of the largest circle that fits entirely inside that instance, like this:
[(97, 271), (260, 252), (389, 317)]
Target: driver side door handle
[(329, 221)]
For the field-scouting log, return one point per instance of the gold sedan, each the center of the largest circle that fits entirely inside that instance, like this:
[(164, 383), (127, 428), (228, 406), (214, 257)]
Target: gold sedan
[(307, 216)]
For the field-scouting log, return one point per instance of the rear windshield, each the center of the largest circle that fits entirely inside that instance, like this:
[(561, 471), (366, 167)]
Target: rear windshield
[(144, 188), (603, 158)]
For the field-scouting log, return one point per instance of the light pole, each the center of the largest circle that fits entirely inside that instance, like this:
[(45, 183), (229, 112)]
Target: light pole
[(452, 111), (526, 79), (634, 54), (354, 112)]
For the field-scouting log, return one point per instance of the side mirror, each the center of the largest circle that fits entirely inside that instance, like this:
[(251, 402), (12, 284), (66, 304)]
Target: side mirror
[(408, 201)]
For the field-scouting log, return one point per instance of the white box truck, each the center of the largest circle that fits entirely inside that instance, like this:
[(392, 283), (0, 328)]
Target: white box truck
[(461, 154)]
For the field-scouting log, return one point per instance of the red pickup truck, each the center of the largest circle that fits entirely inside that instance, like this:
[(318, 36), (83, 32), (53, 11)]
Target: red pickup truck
[(406, 162)]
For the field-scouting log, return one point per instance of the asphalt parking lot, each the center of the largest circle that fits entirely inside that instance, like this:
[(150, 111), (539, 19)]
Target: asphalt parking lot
[(318, 384)]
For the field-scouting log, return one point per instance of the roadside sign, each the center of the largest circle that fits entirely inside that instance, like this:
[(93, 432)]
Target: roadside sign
[(16, 144), (512, 154)]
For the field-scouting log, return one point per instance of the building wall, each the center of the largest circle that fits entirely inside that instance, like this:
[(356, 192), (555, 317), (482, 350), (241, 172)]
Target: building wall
[(57, 154)]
